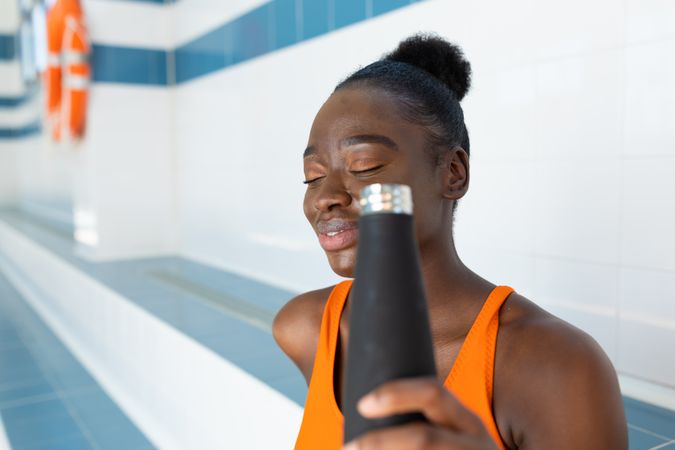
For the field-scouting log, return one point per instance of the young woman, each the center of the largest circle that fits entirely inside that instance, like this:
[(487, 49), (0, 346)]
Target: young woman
[(511, 375)]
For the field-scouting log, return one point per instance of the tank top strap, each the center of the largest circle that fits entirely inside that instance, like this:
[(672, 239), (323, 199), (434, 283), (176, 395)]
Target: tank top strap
[(481, 340), (322, 422), (472, 375), (331, 326)]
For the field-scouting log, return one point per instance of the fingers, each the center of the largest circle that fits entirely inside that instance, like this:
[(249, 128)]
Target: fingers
[(414, 436), (425, 395)]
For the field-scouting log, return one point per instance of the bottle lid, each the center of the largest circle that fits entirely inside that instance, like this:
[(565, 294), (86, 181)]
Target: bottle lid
[(386, 198)]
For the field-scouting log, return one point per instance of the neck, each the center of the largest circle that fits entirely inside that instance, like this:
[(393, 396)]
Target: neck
[(447, 281)]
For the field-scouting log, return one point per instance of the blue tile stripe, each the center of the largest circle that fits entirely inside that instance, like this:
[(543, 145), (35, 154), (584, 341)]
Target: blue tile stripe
[(265, 29), (8, 44), (115, 64), (20, 132), (11, 102), (271, 27)]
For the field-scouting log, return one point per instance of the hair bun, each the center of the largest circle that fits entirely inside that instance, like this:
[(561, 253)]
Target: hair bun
[(437, 56)]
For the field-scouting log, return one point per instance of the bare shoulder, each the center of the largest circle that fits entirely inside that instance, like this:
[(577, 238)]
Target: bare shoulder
[(296, 328), (554, 385)]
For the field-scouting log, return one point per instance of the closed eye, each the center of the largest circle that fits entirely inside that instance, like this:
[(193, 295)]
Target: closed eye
[(368, 171), (312, 180)]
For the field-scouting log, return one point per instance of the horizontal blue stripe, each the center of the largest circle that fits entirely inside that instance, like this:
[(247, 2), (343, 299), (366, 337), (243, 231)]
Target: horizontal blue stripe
[(270, 27), (348, 12), (10, 102), (14, 101), (128, 65), (8, 43), (384, 6), (19, 132), (267, 28)]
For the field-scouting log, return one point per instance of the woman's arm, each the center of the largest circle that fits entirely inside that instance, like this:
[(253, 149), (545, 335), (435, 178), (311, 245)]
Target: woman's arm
[(296, 328), (559, 389)]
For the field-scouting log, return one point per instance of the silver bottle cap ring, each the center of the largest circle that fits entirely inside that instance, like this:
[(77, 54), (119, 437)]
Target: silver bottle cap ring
[(386, 198)]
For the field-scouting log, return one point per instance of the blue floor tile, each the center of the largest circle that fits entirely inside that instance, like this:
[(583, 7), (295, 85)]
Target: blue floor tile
[(94, 409), (9, 336), (47, 399), (638, 440), (652, 418), (116, 438), (293, 387), (26, 393), (65, 443), (37, 423)]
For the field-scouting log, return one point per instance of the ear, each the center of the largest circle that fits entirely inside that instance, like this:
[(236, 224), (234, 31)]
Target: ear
[(454, 167)]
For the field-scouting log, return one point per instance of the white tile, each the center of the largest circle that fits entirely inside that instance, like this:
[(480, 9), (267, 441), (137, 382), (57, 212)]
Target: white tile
[(494, 35), (133, 24), (650, 99), (9, 183), (11, 80), (579, 106), (501, 267), (647, 325), (577, 27), (648, 218), (586, 295), (648, 20), (578, 209), (10, 18), (498, 208), (500, 114)]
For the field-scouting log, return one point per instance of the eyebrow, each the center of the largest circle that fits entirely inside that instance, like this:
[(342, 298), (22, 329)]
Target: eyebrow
[(369, 139), (358, 139), (309, 151)]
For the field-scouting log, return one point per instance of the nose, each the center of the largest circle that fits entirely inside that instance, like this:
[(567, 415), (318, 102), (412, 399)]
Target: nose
[(332, 194)]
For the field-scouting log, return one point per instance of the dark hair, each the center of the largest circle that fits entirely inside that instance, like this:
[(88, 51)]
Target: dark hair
[(428, 76)]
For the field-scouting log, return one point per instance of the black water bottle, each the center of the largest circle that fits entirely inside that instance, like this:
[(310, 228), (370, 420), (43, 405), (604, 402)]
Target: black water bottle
[(389, 333)]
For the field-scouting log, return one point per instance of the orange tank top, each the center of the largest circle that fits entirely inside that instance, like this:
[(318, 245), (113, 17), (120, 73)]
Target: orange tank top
[(470, 379)]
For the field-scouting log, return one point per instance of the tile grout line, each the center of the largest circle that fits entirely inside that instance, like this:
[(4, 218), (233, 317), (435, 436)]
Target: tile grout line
[(54, 395), (59, 392), (646, 431), (665, 444)]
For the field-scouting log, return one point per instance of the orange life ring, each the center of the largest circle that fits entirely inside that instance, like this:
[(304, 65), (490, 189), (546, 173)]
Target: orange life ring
[(68, 72)]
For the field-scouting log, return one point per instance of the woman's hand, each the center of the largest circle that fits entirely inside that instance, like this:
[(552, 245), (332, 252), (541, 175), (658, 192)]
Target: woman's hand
[(451, 427)]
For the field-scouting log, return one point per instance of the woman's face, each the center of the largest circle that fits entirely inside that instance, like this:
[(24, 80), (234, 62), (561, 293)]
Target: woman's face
[(357, 139)]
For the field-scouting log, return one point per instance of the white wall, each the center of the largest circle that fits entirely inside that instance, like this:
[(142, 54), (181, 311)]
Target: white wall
[(11, 85), (8, 183), (572, 119), (117, 184)]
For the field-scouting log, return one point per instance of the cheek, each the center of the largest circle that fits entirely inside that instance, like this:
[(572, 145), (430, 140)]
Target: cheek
[(428, 212), (307, 206)]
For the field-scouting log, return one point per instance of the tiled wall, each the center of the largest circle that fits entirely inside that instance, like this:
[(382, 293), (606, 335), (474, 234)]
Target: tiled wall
[(571, 117), (570, 114)]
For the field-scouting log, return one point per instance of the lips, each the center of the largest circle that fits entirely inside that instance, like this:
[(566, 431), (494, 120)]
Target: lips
[(337, 234)]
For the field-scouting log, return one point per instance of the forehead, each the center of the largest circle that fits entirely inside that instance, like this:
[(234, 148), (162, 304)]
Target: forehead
[(362, 111)]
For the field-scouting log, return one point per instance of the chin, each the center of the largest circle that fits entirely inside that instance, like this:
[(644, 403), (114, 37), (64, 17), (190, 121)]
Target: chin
[(343, 263)]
